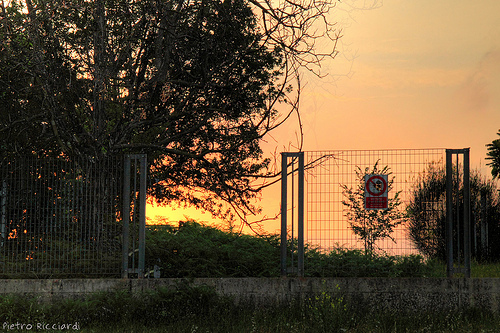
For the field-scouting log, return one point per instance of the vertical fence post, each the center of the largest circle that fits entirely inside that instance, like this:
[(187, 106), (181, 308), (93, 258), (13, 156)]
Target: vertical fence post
[(300, 253), (300, 212), (467, 242), (449, 214), (142, 215), (126, 215), (140, 220), (463, 244), (284, 190)]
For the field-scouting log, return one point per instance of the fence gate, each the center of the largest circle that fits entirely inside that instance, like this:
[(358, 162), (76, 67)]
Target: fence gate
[(134, 215), (314, 184)]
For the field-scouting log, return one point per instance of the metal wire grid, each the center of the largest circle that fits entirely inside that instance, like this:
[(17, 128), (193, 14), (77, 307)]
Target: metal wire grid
[(60, 218), (326, 225)]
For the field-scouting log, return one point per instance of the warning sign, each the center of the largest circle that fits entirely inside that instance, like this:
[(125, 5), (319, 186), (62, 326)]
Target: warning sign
[(376, 192)]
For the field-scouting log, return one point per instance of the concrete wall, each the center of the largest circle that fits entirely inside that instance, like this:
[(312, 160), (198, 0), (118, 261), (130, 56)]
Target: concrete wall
[(406, 294)]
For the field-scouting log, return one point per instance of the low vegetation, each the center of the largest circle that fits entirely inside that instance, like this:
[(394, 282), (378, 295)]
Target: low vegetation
[(194, 250), (199, 309), (191, 249)]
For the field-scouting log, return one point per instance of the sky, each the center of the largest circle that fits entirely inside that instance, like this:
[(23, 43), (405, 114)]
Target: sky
[(409, 74)]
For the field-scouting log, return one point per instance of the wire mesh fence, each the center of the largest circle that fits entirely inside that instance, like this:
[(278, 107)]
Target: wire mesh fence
[(60, 218), (329, 173)]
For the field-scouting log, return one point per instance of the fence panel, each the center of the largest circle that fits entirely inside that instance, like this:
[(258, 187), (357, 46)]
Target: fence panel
[(60, 218), (326, 173)]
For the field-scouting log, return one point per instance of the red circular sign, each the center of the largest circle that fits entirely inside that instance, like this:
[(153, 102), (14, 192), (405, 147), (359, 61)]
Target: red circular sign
[(376, 185)]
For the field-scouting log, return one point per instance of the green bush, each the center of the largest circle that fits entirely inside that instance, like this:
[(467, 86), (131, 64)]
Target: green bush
[(195, 250), (341, 262)]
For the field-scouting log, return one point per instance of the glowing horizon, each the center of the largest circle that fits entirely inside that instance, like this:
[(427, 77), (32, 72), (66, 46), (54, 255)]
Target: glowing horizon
[(420, 74)]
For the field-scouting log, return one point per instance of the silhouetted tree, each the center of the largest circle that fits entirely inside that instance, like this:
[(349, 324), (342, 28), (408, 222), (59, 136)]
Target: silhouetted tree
[(372, 225), (494, 156), (427, 213), (195, 84)]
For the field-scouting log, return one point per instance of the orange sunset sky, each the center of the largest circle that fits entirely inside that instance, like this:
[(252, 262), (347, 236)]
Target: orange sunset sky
[(410, 74)]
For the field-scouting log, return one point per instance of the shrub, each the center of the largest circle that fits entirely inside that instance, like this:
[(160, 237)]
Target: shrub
[(195, 250), (341, 262), (427, 213), (372, 225)]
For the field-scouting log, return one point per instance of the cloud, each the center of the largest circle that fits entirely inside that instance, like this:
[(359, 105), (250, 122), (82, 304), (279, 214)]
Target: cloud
[(482, 85)]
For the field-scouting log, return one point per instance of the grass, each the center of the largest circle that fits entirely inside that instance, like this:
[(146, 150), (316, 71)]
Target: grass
[(435, 268), (485, 270), (199, 309)]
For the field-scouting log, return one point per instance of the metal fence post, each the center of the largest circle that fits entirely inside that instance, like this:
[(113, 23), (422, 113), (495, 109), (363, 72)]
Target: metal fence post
[(467, 242), (140, 220), (284, 157), (449, 214), (300, 212), (300, 259), (126, 215), (142, 215)]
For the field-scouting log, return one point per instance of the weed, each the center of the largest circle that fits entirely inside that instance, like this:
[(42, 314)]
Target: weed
[(325, 312), (198, 309)]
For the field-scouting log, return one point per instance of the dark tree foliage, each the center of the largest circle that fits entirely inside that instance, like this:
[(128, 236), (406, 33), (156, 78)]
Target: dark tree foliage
[(194, 84), (494, 156), (427, 213)]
